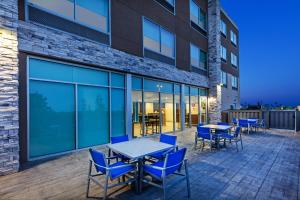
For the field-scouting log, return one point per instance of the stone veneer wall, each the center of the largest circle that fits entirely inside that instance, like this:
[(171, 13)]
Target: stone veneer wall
[(9, 111), (35, 38), (214, 60), (229, 97)]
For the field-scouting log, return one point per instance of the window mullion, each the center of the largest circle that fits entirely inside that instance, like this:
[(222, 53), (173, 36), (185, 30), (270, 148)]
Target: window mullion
[(74, 7)]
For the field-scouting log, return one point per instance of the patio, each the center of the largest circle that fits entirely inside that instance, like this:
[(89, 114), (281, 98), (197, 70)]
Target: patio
[(268, 167)]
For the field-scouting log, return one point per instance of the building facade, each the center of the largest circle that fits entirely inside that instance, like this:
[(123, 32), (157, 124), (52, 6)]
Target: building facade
[(74, 73)]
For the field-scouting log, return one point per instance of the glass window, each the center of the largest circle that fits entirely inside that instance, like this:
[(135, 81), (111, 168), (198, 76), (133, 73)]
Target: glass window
[(118, 112), (49, 70), (198, 57), (51, 118), (172, 2), (233, 37), (93, 13), (223, 27), (224, 78), (223, 53), (167, 43), (137, 83), (92, 116), (167, 112), (187, 105), (61, 7), (177, 112), (117, 80), (158, 39), (177, 89), (137, 113), (203, 109), (234, 59), (234, 82), (152, 112), (197, 15)]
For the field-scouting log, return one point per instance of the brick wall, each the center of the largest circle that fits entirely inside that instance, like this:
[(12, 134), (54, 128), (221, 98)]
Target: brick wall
[(9, 124)]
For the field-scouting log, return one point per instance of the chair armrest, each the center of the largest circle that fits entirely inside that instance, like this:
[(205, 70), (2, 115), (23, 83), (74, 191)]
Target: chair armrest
[(111, 157), (98, 165), (155, 167), (121, 166)]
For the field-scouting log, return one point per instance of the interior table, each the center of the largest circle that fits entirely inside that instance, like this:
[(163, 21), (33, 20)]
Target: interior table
[(137, 149)]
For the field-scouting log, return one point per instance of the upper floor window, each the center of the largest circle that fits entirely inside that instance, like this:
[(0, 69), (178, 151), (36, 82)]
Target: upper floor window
[(223, 28), (233, 37), (224, 78), (223, 53), (168, 4), (197, 15), (92, 13), (198, 57), (158, 39), (234, 82), (234, 59)]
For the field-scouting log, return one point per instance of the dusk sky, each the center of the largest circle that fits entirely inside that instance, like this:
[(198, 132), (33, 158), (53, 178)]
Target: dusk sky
[(269, 49)]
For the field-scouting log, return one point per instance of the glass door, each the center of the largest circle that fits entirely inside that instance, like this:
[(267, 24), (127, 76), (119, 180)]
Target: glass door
[(152, 114), (167, 112), (137, 113)]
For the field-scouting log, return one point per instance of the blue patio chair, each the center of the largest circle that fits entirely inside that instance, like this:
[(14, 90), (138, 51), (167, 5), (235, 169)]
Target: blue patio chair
[(254, 124), (234, 121), (161, 170), (243, 123), (204, 135), (112, 172), (262, 125), (235, 137), (167, 139), (118, 139)]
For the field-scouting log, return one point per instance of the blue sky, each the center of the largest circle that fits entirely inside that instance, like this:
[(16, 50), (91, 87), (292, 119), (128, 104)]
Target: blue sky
[(269, 49)]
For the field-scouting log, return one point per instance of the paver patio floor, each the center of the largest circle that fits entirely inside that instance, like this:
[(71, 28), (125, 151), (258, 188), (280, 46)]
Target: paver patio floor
[(267, 168)]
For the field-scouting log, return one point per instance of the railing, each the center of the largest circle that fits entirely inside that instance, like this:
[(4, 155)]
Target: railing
[(277, 119)]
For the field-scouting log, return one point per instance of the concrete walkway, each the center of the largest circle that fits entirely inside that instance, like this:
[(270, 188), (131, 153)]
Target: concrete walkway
[(267, 168)]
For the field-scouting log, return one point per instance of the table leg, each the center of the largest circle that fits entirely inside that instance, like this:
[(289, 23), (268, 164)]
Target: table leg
[(140, 175)]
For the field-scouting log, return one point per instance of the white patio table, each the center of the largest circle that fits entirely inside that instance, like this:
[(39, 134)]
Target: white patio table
[(137, 149), (218, 127)]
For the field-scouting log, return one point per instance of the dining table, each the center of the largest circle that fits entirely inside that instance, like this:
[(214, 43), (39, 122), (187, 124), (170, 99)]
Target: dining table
[(216, 128), (137, 150)]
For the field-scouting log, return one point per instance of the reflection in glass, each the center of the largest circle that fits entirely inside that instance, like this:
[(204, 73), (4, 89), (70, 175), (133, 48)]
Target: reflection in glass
[(117, 112), (177, 113), (187, 110), (52, 118), (167, 114), (151, 36), (92, 116), (151, 104), (203, 108), (93, 13), (194, 110), (137, 114)]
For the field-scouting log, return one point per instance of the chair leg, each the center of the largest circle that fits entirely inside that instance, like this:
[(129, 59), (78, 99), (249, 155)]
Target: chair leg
[(187, 179), (164, 188), (89, 180), (105, 187), (203, 143), (242, 143), (196, 140), (237, 147), (136, 181), (210, 145)]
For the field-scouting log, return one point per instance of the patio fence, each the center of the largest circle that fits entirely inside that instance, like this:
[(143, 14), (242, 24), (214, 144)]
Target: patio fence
[(277, 119)]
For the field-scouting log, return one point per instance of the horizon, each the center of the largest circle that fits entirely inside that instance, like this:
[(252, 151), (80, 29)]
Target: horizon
[(268, 50)]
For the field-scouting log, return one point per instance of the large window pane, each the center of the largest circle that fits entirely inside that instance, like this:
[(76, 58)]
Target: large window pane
[(52, 118), (92, 116), (151, 36), (187, 106), (90, 76), (195, 62), (167, 43), (167, 112), (194, 110), (117, 112), (137, 114), (177, 113), (137, 83), (61, 7), (194, 11), (203, 109), (117, 80), (152, 122), (93, 13), (203, 59)]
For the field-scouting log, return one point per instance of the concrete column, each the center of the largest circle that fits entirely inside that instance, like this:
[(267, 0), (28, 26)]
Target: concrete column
[(214, 61), (9, 107)]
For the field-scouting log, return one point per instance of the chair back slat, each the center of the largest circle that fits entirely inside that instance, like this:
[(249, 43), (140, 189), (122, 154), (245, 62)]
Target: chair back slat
[(174, 161), (202, 130), (168, 139), (99, 159), (118, 139)]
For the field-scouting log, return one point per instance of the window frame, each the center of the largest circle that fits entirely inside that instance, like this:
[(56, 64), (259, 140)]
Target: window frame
[(234, 82), (199, 49), (236, 60), (27, 3), (224, 82), (160, 27), (174, 6), (199, 10), (221, 50), (233, 37), (221, 28)]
